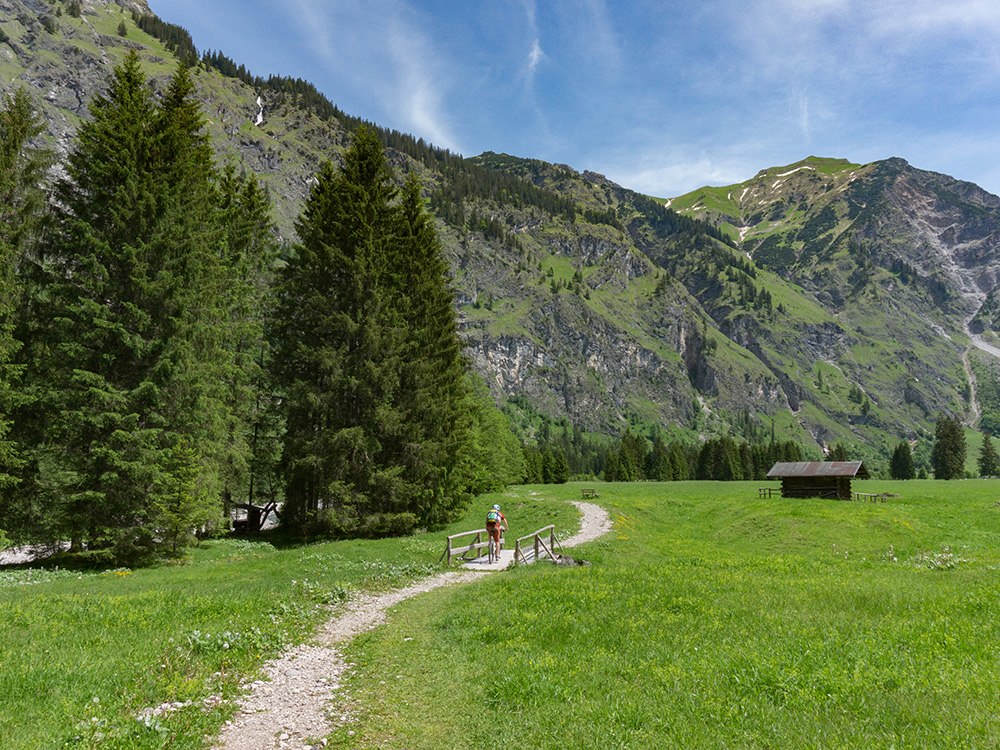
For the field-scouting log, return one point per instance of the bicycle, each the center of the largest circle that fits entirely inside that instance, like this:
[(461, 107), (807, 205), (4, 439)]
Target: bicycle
[(494, 546)]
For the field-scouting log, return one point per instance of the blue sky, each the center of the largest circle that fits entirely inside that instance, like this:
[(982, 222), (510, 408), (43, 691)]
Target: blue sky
[(661, 96)]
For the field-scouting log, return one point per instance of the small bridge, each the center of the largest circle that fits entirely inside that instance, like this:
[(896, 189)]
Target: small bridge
[(527, 549)]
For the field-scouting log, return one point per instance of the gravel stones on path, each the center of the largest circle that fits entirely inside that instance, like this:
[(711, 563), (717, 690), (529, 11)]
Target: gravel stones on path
[(594, 523), (289, 709)]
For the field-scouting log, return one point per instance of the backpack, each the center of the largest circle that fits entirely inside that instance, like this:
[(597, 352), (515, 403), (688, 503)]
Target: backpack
[(493, 517)]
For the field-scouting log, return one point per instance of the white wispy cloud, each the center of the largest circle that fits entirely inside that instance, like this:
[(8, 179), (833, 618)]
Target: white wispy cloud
[(669, 170), (602, 37), (804, 117), (920, 18), (417, 93), (535, 56), (388, 55)]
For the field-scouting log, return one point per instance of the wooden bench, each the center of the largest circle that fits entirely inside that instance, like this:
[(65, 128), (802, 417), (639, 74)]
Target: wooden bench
[(590, 492)]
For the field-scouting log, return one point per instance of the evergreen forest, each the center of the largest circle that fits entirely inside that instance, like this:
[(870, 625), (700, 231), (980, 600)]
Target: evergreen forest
[(160, 364)]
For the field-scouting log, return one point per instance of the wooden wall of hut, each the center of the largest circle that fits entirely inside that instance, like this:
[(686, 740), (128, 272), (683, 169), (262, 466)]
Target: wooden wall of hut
[(838, 488)]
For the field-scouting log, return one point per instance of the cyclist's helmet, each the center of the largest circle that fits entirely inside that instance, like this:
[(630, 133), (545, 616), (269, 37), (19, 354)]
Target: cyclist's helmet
[(496, 507)]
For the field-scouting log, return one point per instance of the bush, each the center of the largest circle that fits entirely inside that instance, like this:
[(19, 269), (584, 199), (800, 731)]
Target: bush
[(339, 524), (381, 525)]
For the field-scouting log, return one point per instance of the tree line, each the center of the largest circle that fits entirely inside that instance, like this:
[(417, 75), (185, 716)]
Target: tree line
[(560, 452), (159, 364)]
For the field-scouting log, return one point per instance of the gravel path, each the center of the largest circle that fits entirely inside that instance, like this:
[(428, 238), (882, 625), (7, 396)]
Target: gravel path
[(288, 708)]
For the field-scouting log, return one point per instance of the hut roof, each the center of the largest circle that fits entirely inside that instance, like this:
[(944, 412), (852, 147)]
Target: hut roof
[(854, 469)]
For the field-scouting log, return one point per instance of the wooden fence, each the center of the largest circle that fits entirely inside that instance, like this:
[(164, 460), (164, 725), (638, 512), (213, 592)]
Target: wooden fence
[(881, 497), (529, 554), (476, 546)]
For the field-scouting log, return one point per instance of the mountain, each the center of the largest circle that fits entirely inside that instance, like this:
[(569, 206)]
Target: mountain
[(903, 265), (823, 301)]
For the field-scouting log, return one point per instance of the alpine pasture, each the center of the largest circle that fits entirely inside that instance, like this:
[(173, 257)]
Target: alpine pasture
[(708, 618)]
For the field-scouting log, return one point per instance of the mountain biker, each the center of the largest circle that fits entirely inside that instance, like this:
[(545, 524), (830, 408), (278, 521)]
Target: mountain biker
[(495, 520)]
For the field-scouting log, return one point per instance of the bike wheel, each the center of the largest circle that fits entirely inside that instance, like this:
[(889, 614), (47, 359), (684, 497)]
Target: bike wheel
[(492, 550)]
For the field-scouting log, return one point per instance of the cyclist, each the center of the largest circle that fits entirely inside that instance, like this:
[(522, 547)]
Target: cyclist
[(494, 522)]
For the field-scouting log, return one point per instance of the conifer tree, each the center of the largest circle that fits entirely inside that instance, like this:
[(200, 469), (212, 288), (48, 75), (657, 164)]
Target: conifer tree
[(718, 460), (989, 461), (838, 453), (745, 462), (558, 466), (901, 465), (532, 465), (22, 206), (658, 468), (433, 389), (679, 467), (494, 457), (135, 352), (248, 251), (364, 349), (948, 454), (612, 471), (335, 339)]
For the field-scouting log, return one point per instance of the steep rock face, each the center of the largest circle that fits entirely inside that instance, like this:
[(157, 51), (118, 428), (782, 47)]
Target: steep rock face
[(952, 228), (66, 67), (572, 362)]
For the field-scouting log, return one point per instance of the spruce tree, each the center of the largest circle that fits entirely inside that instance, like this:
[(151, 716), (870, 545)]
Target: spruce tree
[(838, 453), (248, 251), (901, 465), (679, 466), (612, 472), (433, 394), (135, 355), (532, 465), (335, 340), (22, 207), (560, 467), (658, 467), (494, 457), (365, 348), (948, 454), (199, 330), (989, 461)]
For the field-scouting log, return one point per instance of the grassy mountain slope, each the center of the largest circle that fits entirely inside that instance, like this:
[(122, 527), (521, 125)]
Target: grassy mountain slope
[(826, 298), (895, 262)]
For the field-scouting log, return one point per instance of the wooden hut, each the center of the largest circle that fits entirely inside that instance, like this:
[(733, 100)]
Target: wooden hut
[(818, 478)]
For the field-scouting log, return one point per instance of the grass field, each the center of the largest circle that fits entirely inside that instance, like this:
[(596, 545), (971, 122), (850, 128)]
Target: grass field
[(83, 655), (709, 619), (712, 619)]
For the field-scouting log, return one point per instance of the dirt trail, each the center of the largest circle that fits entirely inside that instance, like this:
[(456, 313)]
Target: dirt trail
[(286, 710)]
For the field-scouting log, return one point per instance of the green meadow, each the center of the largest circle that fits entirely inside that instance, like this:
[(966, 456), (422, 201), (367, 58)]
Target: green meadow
[(709, 618)]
